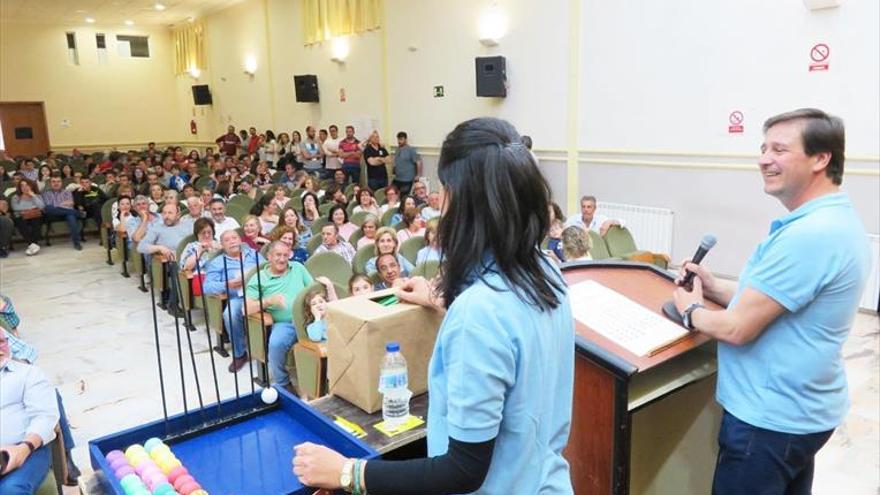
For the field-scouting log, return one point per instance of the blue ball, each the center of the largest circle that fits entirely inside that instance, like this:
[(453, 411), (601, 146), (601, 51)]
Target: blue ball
[(163, 489), (150, 443)]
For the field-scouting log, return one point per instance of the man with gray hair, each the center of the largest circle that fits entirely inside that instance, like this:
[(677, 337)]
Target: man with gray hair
[(589, 219), (162, 239), (195, 211), (277, 285)]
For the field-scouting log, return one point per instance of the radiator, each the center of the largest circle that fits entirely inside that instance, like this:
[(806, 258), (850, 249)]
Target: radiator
[(650, 227), (872, 291)]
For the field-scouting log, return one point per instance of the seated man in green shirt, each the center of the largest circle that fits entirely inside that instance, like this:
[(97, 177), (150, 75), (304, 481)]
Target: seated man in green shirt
[(279, 282)]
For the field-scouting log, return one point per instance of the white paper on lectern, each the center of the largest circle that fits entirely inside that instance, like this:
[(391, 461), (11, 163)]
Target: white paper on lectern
[(622, 320)]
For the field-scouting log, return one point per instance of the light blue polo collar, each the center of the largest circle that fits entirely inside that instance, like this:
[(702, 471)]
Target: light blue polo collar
[(828, 200)]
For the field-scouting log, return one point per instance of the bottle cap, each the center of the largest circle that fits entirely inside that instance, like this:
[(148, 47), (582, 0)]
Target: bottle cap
[(392, 347)]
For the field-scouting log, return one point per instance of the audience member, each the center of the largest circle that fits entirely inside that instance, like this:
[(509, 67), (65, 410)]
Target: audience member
[(554, 239), (229, 143), (290, 218), (386, 242), (433, 208), (89, 199), (369, 229), (377, 158), (407, 164), (315, 309), (589, 219), (266, 211), (288, 236), (339, 216), (330, 146), (7, 227), (389, 272), (199, 249), (312, 154), (137, 225), (222, 223), (359, 285), (576, 244), (392, 199), (250, 225), (413, 226), (162, 239), (29, 171), (431, 251), (278, 285), (366, 202), (332, 242), (60, 205), (279, 197), (309, 209), (27, 211), (350, 152), (420, 193)]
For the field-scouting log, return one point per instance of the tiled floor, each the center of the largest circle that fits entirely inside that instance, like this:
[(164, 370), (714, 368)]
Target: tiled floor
[(94, 332)]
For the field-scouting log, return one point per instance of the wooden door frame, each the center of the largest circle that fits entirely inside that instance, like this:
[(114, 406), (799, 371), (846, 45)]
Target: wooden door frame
[(42, 105)]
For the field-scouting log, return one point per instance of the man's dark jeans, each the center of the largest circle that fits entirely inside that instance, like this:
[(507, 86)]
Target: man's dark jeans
[(755, 461), (69, 215)]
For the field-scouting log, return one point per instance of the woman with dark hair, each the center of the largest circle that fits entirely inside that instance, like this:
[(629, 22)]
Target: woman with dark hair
[(44, 176), (266, 211), (413, 226), (309, 209), (203, 230), (339, 216), (366, 202), (502, 372), (269, 149), (67, 172), (27, 213), (289, 217)]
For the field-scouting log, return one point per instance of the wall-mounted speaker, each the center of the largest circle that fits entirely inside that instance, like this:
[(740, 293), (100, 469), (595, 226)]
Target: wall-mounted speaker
[(201, 95), (491, 76), (306, 87)]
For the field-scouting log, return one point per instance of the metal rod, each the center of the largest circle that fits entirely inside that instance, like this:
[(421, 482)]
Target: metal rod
[(265, 365), (178, 292), (159, 356), (229, 314), (208, 330), (179, 349), (247, 340)]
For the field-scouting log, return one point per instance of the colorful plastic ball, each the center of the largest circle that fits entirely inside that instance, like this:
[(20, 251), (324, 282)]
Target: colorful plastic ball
[(123, 471), (134, 448), (157, 480), (141, 490), (163, 489), (199, 492), (182, 480), (115, 454), (138, 457), (130, 481), (160, 455), (176, 473), (152, 442), (188, 488), (158, 449), (142, 461), (167, 466), (118, 463), (152, 472)]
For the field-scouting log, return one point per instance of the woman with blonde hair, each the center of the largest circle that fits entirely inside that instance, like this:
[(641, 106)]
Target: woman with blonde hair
[(252, 235), (576, 244), (386, 242), (370, 227), (289, 217), (288, 235)]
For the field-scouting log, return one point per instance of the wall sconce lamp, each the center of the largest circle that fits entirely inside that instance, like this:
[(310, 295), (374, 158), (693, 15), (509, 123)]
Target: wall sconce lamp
[(250, 65), (194, 72), (493, 25), (339, 49)]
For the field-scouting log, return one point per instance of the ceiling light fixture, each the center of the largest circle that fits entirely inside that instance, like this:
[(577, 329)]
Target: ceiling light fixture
[(129, 23), (159, 7), (90, 20)]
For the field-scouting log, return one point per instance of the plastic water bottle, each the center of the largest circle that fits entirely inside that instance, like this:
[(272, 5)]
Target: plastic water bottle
[(393, 384)]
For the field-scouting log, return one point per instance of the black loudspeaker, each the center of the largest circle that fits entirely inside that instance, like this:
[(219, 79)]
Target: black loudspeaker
[(306, 88), (202, 95), (492, 76)]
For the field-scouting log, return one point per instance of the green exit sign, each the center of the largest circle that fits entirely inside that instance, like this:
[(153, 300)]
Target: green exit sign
[(438, 92)]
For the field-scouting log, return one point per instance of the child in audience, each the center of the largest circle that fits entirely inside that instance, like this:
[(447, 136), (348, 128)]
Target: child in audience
[(316, 309), (576, 244), (555, 236), (359, 284)]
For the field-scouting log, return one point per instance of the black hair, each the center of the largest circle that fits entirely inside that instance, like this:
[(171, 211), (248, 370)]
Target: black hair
[(270, 135), (260, 205), (401, 134), (333, 210), (314, 196), (496, 214)]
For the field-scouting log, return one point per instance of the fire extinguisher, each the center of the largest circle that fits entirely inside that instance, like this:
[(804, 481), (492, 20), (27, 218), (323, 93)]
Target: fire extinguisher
[(193, 129)]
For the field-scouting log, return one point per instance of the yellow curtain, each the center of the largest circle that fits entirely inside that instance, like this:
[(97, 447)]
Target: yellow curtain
[(189, 48), (326, 19)]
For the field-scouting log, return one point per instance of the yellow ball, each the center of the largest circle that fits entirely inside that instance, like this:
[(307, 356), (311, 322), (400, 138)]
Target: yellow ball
[(160, 451), (167, 465), (136, 448), (138, 457), (198, 492)]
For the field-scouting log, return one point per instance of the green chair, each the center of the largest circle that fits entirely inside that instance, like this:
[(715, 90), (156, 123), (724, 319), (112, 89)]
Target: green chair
[(313, 244), (202, 182), (355, 237), (349, 190), (386, 217), (428, 269), (621, 245), (319, 223), (399, 226), (359, 217), (107, 227), (296, 193), (310, 357), (184, 278), (330, 265), (241, 201), (379, 194), (324, 209), (411, 247), (599, 251), (254, 327), (296, 203), (363, 255)]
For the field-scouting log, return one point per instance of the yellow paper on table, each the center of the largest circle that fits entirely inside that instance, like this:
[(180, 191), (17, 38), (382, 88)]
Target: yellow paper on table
[(353, 428), (410, 423)]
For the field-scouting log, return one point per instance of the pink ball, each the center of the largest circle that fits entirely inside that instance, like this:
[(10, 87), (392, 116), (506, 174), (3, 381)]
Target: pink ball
[(144, 466), (118, 463), (190, 487), (150, 472), (124, 471), (176, 473), (182, 480), (115, 454)]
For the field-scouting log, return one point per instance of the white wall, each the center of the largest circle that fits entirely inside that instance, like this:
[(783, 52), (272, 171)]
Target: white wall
[(659, 79)]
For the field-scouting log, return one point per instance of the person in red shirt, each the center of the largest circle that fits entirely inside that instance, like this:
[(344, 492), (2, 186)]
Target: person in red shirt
[(253, 141), (229, 142)]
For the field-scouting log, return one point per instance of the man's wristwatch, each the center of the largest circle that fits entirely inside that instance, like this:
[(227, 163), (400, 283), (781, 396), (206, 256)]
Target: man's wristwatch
[(688, 311), (30, 446), (347, 476)]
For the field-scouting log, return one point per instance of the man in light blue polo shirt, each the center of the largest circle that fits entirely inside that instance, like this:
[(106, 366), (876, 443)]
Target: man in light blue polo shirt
[(781, 378)]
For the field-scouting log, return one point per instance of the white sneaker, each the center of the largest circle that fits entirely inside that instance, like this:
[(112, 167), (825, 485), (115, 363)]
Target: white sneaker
[(36, 248), (30, 249)]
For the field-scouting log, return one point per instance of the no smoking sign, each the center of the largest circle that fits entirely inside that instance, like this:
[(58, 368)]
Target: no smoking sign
[(819, 54), (735, 121)]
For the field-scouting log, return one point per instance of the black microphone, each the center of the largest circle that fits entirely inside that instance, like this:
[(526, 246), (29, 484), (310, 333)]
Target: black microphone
[(706, 244)]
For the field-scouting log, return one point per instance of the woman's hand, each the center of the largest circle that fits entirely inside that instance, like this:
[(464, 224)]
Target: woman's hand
[(317, 466), (418, 290)]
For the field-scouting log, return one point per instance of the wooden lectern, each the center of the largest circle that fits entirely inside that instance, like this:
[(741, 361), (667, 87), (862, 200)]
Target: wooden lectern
[(641, 425)]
